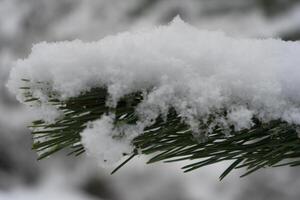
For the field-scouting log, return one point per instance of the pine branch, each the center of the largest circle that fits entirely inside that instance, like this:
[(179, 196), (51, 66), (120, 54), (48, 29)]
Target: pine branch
[(170, 140)]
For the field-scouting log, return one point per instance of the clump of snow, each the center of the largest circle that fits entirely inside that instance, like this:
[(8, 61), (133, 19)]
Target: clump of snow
[(198, 73), (100, 139), (241, 118)]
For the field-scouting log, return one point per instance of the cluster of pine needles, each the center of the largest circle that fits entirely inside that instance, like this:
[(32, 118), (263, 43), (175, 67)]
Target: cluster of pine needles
[(271, 144)]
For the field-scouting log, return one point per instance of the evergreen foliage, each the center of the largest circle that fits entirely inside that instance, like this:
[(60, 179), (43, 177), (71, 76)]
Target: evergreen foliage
[(271, 144)]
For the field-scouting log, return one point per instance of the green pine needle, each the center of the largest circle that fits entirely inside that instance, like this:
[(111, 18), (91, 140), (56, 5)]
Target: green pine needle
[(270, 144)]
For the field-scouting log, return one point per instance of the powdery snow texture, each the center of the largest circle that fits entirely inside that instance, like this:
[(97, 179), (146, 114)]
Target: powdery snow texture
[(199, 73)]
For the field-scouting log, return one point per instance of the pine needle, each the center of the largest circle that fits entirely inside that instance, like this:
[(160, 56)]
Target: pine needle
[(271, 144)]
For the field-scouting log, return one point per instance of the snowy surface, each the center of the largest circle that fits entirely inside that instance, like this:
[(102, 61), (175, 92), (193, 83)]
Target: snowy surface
[(199, 73), (58, 183), (46, 193)]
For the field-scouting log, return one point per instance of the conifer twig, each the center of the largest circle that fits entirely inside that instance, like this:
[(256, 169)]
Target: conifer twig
[(271, 144)]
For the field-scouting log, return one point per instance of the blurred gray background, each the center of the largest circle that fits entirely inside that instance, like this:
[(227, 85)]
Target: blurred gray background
[(25, 22)]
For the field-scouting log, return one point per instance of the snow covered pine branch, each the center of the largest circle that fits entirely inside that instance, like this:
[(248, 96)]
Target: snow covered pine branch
[(174, 92)]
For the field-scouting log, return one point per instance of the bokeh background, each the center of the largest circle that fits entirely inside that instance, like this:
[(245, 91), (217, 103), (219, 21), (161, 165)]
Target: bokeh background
[(25, 22)]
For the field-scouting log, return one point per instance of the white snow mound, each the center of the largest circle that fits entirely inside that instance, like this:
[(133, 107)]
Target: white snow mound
[(198, 73)]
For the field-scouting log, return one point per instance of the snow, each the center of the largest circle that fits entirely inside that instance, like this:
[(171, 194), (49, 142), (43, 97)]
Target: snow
[(98, 140), (199, 73), (43, 193), (53, 186)]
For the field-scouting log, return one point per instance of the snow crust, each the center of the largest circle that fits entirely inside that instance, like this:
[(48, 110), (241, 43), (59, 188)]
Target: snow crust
[(199, 73)]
